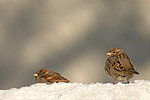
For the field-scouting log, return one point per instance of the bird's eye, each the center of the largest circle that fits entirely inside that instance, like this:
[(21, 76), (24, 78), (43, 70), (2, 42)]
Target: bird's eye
[(113, 52)]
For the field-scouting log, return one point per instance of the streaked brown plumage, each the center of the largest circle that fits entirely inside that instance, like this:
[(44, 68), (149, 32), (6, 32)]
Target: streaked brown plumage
[(119, 66), (48, 77)]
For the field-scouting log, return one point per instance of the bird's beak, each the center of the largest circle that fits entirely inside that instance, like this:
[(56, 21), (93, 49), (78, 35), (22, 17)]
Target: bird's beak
[(35, 74), (108, 53)]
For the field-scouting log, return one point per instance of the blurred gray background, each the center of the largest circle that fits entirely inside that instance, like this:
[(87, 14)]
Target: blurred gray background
[(71, 38)]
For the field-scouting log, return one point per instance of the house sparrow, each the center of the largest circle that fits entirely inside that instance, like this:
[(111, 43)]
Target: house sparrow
[(119, 66), (48, 77)]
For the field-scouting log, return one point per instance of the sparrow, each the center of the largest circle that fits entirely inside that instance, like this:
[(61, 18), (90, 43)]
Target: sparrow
[(119, 66), (48, 77)]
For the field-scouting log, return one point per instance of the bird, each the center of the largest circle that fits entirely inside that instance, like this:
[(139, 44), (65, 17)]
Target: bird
[(49, 77), (119, 66)]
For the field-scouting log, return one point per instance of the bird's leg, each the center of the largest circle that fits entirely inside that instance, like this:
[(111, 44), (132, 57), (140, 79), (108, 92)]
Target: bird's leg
[(114, 82), (128, 81)]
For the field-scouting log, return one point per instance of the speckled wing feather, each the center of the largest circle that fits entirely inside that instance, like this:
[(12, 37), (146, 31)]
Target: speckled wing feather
[(122, 64), (115, 63), (56, 77), (127, 64)]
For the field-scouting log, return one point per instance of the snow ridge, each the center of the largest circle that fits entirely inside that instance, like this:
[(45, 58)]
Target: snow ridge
[(137, 90)]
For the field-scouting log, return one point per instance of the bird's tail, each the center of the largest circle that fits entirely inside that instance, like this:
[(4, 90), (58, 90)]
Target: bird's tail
[(136, 72)]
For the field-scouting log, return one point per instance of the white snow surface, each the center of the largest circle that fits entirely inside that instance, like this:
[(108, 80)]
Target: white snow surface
[(137, 90)]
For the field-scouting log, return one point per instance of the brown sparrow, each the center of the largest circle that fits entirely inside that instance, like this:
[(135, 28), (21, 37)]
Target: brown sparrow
[(48, 77), (119, 66)]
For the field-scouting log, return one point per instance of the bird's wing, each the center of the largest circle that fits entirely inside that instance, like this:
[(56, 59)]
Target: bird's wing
[(56, 77), (127, 64), (116, 64)]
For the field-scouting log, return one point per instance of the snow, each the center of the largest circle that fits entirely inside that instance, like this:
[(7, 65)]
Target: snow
[(137, 90)]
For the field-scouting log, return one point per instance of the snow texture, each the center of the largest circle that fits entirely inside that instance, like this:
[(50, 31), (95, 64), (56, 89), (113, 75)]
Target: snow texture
[(137, 90)]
